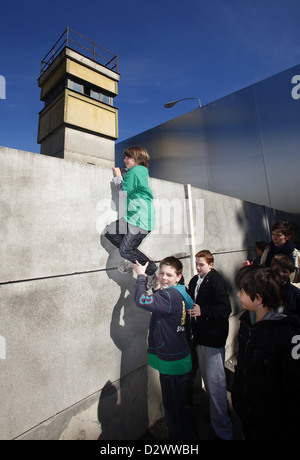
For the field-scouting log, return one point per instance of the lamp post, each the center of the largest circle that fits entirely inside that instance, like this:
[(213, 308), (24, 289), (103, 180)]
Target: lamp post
[(168, 105)]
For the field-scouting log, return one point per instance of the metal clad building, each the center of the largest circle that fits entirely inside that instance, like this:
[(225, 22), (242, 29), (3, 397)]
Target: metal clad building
[(245, 145)]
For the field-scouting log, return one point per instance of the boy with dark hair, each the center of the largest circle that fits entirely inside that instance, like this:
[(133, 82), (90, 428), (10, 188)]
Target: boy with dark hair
[(284, 267), (168, 349), (209, 323), (260, 246), (283, 242), (265, 392)]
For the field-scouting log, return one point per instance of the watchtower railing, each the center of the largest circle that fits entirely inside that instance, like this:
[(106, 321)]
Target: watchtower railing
[(67, 39)]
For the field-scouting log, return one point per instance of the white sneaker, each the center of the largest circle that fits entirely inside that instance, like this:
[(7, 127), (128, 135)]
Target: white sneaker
[(125, 267)]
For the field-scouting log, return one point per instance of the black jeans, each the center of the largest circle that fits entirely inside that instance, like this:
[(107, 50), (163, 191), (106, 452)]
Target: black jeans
[(174, 393), (127, 238)]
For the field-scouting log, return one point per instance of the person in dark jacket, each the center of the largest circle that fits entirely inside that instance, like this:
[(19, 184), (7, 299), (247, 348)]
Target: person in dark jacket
[(209, 324), (283, 242), (168, 349), (265, 392), (284, 267)]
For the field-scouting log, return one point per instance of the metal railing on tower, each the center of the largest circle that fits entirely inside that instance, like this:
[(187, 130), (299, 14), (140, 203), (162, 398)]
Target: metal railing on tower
[(79, 43)]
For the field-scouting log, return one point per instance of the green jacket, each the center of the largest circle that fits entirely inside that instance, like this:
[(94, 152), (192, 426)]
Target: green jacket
[(140, 210)]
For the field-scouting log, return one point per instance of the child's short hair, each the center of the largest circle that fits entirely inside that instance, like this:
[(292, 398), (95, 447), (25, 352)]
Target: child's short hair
[(207, 255), (172, 262), (284, 227), (139, 154), (261, 245), (255, 279), (283, 261)]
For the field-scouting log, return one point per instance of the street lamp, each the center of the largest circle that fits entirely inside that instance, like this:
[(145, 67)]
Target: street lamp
[(168, 105)]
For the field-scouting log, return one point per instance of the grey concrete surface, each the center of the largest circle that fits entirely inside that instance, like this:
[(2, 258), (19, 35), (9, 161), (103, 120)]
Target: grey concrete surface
[(68, 322)]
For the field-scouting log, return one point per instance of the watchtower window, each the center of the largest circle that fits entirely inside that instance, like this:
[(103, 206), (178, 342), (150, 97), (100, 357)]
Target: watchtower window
[(82, 88), (100, 96), (89, 90), (54, 92), (78, 87)]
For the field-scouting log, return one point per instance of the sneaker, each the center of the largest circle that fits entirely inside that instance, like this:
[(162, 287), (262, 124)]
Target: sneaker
[(125, 267), (151, 282)]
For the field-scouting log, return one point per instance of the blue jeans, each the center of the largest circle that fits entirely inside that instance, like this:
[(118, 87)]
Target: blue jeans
[(127, 238), (211, 365), (174, 393)]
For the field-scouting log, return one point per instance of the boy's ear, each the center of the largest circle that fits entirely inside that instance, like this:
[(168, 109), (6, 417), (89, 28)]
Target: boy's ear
[(179, 277), (259, 300)]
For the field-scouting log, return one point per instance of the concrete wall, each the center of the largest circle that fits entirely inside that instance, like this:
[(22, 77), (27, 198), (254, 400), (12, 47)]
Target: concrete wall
[(73, 344)]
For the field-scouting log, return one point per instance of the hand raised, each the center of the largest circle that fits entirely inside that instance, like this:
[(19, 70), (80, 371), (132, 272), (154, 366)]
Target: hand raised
[(140, 269), (117, 172)]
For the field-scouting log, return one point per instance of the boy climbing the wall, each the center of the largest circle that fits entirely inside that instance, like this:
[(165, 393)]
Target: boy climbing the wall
[(128, 232)]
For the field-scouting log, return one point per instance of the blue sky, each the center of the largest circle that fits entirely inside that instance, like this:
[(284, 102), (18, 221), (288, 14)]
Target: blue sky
[(167, 50)]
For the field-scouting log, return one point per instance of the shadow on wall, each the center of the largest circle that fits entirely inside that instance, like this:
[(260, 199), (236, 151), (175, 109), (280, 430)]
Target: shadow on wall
[(233, 239), (123, 406), (109, 412), (254, 226), (256, 223)]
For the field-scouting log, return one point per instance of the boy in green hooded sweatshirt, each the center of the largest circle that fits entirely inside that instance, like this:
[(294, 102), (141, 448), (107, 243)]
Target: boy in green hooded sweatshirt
[(128, 232)]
